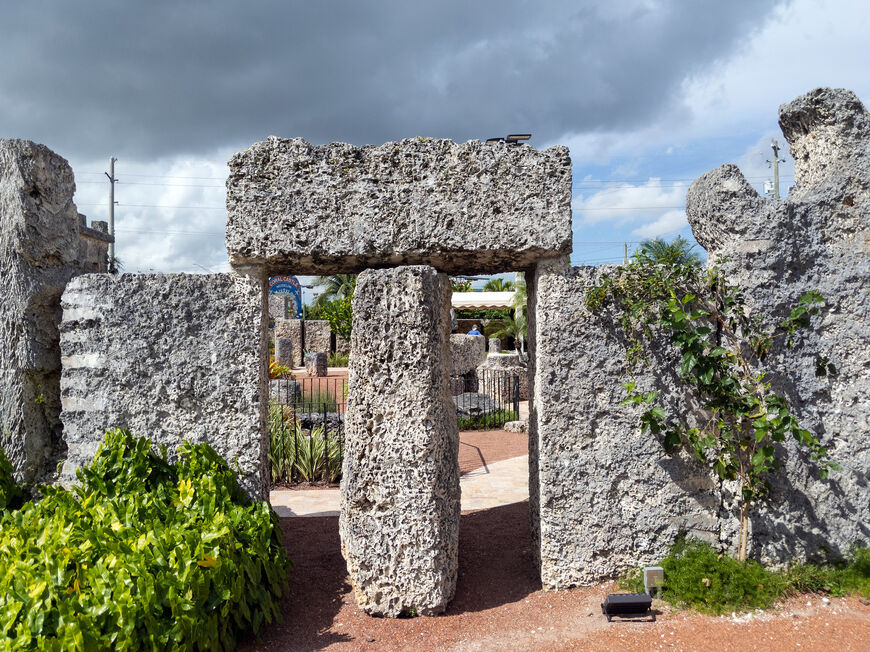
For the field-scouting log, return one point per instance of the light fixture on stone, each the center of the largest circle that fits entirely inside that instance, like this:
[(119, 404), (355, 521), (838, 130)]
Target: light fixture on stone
[(510, 139)]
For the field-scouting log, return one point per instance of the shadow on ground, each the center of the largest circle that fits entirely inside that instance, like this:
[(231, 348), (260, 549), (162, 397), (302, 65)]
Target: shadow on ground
[(495, 568)]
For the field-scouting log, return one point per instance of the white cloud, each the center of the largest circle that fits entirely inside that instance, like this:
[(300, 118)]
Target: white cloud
[(669, 223), (170, 214), (623, 203), (803, 44)]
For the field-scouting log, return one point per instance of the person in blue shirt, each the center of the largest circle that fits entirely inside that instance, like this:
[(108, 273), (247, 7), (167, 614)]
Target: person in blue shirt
[(474, 331)]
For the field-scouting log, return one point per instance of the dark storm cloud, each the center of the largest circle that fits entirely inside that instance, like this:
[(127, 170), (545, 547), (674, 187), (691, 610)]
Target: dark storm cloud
[(151, 79)]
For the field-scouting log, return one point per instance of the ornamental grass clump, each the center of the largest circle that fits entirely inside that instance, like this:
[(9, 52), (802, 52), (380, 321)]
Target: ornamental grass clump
[(144, 553)]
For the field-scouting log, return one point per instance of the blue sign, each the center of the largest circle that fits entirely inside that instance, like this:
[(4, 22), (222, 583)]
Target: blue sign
[(288, 286)]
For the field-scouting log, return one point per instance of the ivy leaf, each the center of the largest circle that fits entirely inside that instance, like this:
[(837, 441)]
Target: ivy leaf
[(688, 363), (672, 441)]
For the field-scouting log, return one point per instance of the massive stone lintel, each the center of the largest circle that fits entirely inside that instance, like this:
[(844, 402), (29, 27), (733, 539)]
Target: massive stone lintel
[(172, 357), (603, 496), (43, 243), (337, 208), (399, 519), (818, 238)]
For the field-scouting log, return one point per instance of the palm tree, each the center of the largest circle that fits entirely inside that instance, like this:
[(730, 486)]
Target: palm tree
[(498, 285), (336, 286), (520, 293), (518, 325), (514, 327), (659, 251)]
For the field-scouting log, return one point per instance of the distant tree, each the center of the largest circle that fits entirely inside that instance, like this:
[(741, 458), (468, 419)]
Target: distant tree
[(519, 305), (335, 286), (339, 315), (498, 285), (515, 327), (676, 252), (460, 284), (520, 292)]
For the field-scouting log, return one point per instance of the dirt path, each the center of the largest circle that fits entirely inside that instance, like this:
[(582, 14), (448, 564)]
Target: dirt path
[(499, 605)]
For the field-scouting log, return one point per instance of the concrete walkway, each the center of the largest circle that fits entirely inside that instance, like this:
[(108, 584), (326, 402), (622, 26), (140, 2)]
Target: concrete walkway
[(499, 483)]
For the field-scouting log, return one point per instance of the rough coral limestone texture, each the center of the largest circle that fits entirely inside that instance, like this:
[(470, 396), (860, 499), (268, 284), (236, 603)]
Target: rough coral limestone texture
[(399, 520), (39, 253), (473, 207), (172, 357), (818, 238), (466, 353), (603, 496), (289, 330), (317, 336)]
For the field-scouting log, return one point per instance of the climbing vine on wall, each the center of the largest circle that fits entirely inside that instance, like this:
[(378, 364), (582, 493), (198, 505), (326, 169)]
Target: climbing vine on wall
[(722, 346)]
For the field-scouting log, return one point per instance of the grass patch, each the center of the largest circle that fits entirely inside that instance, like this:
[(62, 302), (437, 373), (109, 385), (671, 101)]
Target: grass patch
[(700, 578), (338, 359)]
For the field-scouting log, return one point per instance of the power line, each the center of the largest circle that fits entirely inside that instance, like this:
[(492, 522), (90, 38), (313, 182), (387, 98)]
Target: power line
[(214, 233), (162, 185), (207, 208), (164, 176)]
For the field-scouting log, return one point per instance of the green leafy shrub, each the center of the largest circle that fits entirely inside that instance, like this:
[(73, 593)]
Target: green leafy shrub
[(839, 577), (143, 554), (11, 495), (698, 577)]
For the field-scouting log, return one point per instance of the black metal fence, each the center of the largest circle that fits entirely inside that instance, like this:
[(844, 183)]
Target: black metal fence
[(494, 401), (306, 429), (306, 422)]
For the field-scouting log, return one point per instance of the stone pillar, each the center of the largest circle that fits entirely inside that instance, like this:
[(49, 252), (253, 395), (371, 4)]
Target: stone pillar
[(494, 345), (315, 364), (494, 376), (342, 345), (285, 350), (290, 329), (318, 336), (39, 245), (399, 519)]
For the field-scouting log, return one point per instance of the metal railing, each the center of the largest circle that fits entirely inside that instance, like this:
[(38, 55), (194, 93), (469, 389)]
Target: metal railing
[(306, 422), (496, 401), (306, 429)]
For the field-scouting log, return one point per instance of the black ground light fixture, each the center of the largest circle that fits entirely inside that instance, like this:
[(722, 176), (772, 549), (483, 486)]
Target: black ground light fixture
[(627, 605), (511, 139)]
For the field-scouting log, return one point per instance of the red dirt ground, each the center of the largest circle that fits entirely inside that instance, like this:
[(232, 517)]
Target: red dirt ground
[(478, 448), (499, 605)]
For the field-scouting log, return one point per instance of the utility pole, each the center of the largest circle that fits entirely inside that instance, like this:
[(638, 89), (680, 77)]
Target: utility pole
[(625, 253), (775, 147), (111, 174)]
